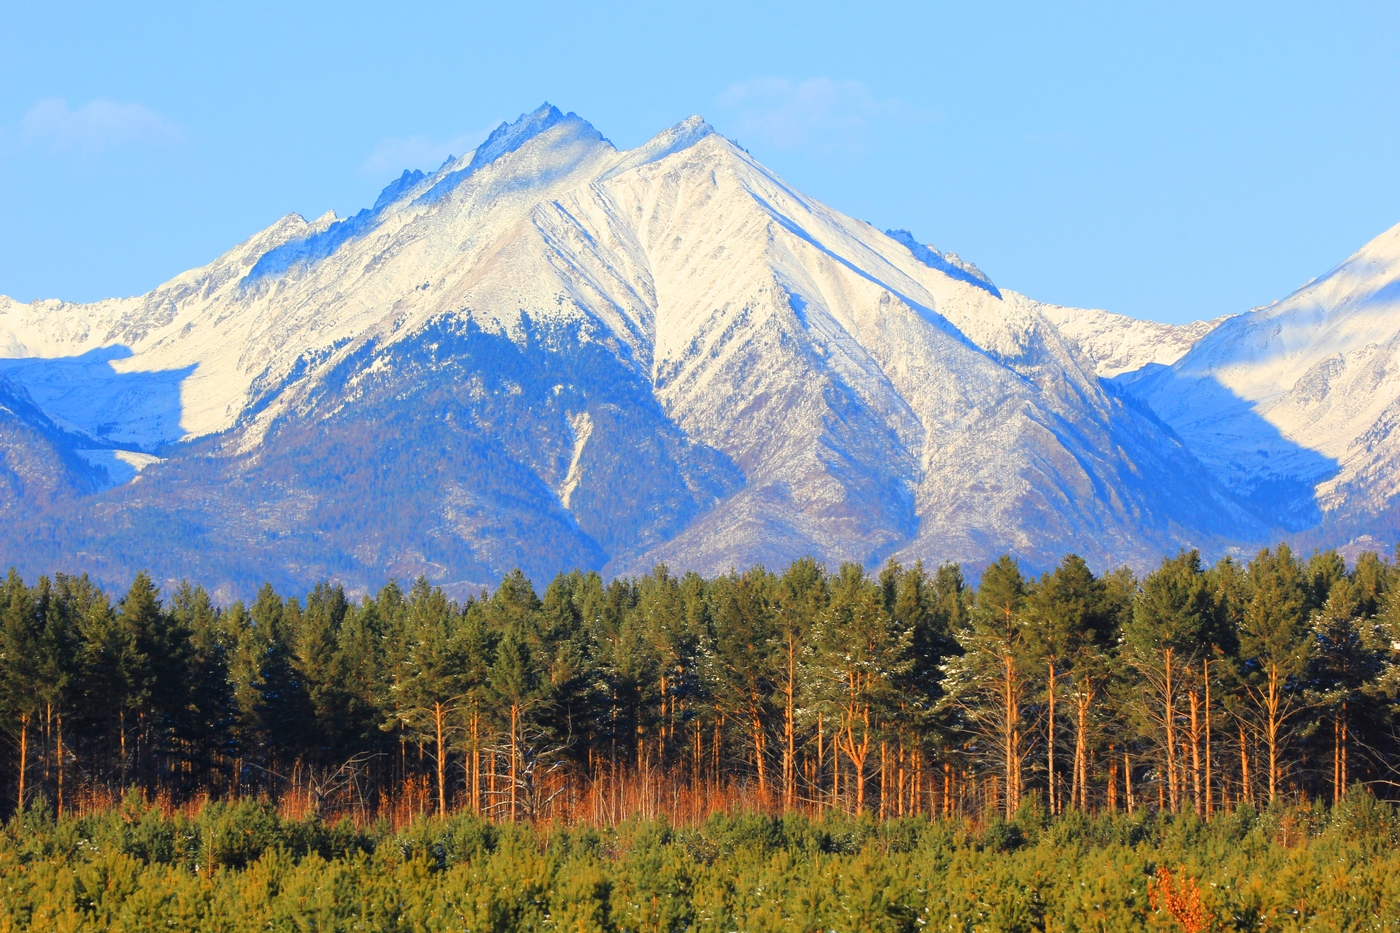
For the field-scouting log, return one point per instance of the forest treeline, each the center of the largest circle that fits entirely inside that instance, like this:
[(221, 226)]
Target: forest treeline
[(904, 692)]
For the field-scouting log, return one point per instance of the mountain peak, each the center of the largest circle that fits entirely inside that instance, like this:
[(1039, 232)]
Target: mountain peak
[(1386, 245), (511, 136), (505, 139), (674, 139), (395, 189)]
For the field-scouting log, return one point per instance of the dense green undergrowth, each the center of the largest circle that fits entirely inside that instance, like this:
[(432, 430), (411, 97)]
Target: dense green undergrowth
[(241, 867)]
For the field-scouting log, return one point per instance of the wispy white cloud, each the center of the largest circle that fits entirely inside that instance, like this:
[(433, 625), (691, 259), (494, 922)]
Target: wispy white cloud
[(817, 112), (94, 127), (396, 153)]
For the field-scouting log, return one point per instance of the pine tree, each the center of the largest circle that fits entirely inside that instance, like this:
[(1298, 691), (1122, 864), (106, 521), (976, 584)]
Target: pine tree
[(1220, 667), (476, 652), (320, 665), (21, 673), (1275, 642), (275, 709), (428, 687), (865, 657), (1071, 627), (211, 712), (744, 655), (915, 607), (362, 669), (1170, 620), (518, 688), (674, 643), (1349, 654), (989, 683), (801, 599), (60, 644)]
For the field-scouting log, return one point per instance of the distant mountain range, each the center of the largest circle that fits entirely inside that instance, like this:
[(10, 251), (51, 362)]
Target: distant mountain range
[(552, 354)]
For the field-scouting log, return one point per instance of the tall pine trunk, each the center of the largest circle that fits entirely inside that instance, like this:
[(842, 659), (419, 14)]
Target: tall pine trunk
[(1050, 745), (48, 739), (1128, 782), (439, 728), (756, 724), (60, 763), (789, 729), (121, 724), (858, 753), (1210, 777), (1081, 748), (1196, 797), (836, 771), (884, 770), (475, 765), (1010, 733), (23, 757), (1246, 786), (1273, 726), (1170, 711), (1339, 754), (514, 757)]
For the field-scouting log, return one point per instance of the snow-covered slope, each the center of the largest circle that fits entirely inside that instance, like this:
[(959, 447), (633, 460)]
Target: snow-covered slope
[(1296, 404), (1118, 344), (549, 353)]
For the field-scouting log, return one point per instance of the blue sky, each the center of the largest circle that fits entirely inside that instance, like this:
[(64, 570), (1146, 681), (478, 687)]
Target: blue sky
[(1167, 161)]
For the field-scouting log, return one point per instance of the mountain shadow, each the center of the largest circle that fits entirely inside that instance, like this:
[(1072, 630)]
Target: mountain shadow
[(89, 397), (1271, 476)]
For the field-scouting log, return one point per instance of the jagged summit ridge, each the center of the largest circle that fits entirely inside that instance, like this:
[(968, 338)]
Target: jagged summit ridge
[(414, 185), (505, 139), (948, 263)]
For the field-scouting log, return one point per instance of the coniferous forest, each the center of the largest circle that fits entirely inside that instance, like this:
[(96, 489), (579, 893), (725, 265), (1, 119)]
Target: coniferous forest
[(1163, 739)]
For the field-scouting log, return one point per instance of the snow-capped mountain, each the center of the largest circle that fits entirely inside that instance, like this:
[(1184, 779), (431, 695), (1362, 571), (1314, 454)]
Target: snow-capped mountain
[(550, 353), (1295, 405)]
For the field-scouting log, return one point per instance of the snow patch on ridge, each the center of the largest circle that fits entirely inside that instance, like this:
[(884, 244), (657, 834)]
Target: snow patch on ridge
[(582, 426), (121, 466)]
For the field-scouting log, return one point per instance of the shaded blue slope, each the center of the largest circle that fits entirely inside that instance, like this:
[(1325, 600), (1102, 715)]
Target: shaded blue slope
[(446, 459)]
